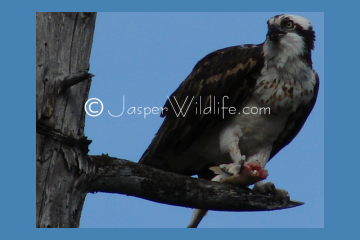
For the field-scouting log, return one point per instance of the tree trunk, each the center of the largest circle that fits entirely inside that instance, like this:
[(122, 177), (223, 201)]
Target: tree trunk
[(63, 46)]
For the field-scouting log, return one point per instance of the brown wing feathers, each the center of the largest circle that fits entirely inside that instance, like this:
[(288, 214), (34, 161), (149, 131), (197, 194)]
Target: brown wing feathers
[(228, 72)]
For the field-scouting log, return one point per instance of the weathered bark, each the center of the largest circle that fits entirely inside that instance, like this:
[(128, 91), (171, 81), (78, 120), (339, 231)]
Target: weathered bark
[(64, 171), (63, 45), (121, 176)]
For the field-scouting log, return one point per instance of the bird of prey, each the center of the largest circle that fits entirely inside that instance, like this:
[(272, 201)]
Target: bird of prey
[(238, 108)]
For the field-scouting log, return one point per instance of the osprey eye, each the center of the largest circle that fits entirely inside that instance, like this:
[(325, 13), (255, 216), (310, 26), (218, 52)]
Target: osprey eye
[(289, 24)]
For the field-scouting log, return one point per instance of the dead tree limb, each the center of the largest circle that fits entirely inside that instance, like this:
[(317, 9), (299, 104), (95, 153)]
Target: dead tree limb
[(121, 176), (73, 79)]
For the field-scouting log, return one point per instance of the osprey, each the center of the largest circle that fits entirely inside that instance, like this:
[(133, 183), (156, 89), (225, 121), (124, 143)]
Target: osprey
[(238, 108)]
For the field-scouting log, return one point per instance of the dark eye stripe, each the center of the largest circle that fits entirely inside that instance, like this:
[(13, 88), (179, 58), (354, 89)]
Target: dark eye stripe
[(308, 35)]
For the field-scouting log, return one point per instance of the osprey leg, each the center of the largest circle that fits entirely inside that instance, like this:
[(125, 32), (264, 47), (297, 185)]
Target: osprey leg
[(197, 217)]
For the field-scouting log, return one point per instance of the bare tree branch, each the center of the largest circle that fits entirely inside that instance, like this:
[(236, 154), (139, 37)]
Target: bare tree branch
[(114, 175), (73, 79)]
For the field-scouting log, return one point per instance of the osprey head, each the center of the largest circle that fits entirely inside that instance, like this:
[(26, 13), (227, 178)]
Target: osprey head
[(289, 35)]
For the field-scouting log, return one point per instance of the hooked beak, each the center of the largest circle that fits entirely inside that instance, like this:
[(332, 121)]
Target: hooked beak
[(275, 33)]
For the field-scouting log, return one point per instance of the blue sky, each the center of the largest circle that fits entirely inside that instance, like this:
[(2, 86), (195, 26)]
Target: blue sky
[(143, 57)]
